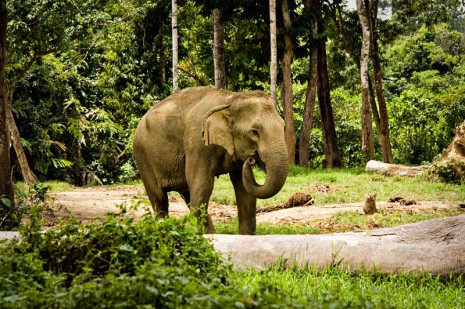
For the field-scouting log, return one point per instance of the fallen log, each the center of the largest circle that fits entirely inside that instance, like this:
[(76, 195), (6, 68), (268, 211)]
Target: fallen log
[(436, 246), (394, 169)]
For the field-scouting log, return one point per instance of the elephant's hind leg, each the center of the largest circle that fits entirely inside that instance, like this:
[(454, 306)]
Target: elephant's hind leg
[(157, 196)]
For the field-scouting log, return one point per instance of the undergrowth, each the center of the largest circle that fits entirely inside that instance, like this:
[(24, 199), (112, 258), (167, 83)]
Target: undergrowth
[(115, 263), (121, 263)]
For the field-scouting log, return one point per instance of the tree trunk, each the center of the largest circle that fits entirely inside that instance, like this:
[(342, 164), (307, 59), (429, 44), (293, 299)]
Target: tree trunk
[(287, 95), (367, 132), (330, 147), (218, 50), (28, 175), (395, 169), (6, 185), (435, 246), (310, 97), (274, 51), (383, 129), (174, 29), (163, 58)]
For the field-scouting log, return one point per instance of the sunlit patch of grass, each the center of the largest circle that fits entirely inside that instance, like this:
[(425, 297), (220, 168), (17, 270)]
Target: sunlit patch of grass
[(346, 186), (269, 228), (58, 186), (357, 290), (53, 186), (266, 228)]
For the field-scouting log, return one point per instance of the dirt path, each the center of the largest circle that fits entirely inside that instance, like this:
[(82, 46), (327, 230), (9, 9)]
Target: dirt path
[(91, 203)]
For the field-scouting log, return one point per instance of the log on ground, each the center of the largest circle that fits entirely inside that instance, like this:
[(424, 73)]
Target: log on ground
[(436, 246), (394, 169)]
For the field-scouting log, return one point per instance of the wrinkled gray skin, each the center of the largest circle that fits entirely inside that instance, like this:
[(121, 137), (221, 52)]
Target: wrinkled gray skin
[(190, 137)]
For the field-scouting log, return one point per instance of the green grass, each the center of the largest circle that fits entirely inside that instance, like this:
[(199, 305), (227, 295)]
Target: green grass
[(330, 186), (347, 186), (357, 290), (334, 186)]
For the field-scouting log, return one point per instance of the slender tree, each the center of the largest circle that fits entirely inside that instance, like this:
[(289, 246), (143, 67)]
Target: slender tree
[(286, 91), (218, 50), (312, 84), (367, 132), (6, 185), (174, 29), (381, 121), (274, 50), (330, 147)]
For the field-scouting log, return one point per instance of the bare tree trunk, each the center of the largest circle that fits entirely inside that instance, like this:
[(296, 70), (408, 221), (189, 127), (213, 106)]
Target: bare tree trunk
[(6, 185), (274, 51), (174, 27), (287, 95), (367, 132), (163, 57), (330, 147), (28, 175), (218, 50), (310, 97), (383, 129)]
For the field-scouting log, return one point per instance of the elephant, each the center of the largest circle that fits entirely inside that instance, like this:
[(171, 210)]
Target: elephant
[(198, 133)]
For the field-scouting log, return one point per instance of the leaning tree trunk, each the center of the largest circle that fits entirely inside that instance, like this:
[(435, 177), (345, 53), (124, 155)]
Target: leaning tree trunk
[(28, 175), (287, 95), (174, 29), (310, 98), (6, 185), (435, 246), (367, 132), (274, 51), (218, 50)]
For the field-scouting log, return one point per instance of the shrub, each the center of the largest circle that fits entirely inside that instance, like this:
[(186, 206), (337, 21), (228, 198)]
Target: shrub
[(167, 263)]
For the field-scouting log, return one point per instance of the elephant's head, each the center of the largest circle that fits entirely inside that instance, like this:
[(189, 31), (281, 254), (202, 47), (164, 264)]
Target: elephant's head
[(250, 129)]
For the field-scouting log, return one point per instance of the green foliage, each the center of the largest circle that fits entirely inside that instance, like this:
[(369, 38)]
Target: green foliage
[(452, 171), (166, 263), (81, 74), (11, 213), (427, 99)]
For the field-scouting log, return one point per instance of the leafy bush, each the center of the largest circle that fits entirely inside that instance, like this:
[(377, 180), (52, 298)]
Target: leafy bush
[(166, 264), (452, 171), (11, 214)]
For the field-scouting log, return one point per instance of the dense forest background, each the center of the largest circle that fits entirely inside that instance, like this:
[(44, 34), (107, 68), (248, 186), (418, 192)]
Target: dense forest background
[(81, 73)]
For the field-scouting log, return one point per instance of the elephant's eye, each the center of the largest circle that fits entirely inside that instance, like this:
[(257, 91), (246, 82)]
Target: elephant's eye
[(254, 133)]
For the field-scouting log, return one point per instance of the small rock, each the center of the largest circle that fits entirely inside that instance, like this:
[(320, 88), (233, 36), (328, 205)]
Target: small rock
[(395, 199), (408, 202)]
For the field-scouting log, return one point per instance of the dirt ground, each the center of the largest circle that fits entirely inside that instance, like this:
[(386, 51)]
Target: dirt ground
[(91, 203)]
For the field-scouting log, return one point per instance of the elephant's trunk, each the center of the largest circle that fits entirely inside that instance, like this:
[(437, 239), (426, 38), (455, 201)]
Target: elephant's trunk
[(276, 166)]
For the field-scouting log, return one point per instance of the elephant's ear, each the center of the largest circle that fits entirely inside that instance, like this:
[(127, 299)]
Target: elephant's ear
[(217, 128)]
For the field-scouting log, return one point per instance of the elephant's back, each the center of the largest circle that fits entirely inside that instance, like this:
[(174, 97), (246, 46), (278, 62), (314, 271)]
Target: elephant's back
[(195, 98)]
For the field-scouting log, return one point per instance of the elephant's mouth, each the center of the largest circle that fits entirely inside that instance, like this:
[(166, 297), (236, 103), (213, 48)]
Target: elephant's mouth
[(255, 160)]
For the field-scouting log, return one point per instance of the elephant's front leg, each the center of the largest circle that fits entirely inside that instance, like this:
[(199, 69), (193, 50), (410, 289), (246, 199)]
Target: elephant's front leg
[(246, 205), (200, 179)]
